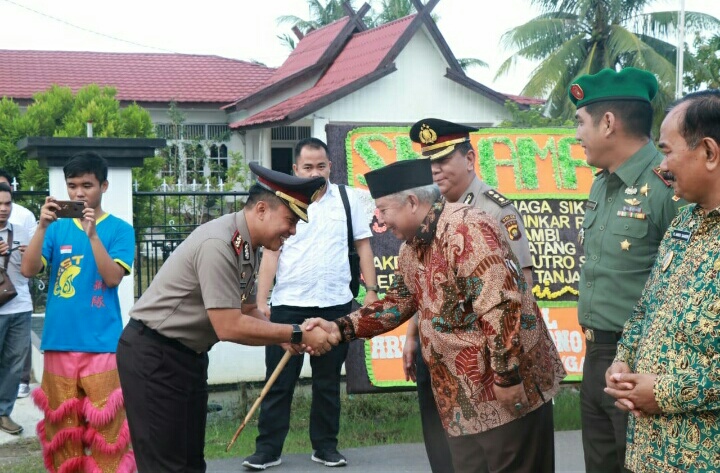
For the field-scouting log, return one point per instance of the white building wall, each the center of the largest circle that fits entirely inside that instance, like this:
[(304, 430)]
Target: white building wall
[(283, 95), (417, 89)]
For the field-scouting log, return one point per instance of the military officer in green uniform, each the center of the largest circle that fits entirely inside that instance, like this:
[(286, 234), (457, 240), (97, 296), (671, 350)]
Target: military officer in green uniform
[(626, 215), (452, 157)]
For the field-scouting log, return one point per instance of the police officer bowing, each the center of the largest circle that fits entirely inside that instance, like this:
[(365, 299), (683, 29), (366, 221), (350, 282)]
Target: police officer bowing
[(202, 294)]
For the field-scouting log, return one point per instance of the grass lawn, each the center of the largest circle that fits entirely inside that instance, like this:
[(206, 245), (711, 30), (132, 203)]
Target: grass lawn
[(366, 420)]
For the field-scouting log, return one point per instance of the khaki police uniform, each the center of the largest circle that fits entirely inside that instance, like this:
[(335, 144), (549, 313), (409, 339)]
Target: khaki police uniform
[(212, 269), (162, 354), (169, 335), (480, 195)]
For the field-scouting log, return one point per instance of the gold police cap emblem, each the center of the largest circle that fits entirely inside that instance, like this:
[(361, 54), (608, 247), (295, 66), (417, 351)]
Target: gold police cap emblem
[(427, 134)]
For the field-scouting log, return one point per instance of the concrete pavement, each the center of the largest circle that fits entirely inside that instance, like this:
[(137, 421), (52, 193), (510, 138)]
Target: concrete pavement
[(399, 458)]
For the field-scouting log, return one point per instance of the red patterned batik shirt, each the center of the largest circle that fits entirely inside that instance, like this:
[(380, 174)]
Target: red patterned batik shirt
[(477, 319)]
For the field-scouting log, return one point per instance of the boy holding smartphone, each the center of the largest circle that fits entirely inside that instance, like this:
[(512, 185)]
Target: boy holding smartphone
[(80, 391)]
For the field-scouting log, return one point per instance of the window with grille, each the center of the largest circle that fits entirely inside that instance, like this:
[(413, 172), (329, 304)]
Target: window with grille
[(219, 161), (170, 166), (195, 162), (290, 133), (189, 152)]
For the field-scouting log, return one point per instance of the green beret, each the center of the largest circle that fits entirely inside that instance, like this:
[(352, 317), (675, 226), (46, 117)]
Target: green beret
[(607, 85)]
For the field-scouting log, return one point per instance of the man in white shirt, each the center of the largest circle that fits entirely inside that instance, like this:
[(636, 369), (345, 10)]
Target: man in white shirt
[(312, 275), (22, 216), (14, 314)]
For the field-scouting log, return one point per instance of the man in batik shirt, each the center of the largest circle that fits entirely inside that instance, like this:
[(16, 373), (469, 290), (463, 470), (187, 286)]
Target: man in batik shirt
[(493, 366), (667, 368)]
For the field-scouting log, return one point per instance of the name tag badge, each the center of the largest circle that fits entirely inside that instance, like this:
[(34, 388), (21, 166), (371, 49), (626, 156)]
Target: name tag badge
[(591, 204), (683, 235)]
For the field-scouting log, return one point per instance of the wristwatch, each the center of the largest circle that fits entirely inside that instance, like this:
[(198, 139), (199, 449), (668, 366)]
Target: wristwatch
[(296, 334), (372, 288)]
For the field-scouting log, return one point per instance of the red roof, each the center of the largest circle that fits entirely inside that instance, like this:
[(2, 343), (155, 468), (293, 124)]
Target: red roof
[(308, 51), (362, 56), (307, 54), (137, 77)]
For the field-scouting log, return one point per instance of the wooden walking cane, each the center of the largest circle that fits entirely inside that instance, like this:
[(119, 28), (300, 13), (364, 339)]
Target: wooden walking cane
[(264, 391)]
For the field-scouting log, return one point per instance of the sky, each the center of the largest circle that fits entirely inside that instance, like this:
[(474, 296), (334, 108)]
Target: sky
[(248, 30)]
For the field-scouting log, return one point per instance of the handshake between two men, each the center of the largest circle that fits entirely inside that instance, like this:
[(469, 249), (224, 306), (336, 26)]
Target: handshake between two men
[(318, 337)]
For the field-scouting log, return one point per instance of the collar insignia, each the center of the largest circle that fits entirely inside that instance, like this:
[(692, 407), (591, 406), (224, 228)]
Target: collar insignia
[(469, 198), (237, 242), (662, 176), (246, 251)]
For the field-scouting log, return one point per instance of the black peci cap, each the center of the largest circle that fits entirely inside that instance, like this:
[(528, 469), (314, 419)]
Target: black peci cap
[(295, 192), (439, 137), (399, 176)]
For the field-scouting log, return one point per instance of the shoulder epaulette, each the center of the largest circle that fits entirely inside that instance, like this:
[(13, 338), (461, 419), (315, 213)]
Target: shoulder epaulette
[(497, 197), (660, 176)]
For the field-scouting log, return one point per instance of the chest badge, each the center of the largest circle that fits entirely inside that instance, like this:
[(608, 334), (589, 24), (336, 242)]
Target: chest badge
[(625, 245), (683, 235), (667, 260), (645, 190), (632, 190), (634, 202)]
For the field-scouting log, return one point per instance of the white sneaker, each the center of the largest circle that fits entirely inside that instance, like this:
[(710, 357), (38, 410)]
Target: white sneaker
[(23, 390)]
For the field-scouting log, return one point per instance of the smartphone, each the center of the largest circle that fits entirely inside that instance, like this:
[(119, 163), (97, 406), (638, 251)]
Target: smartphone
[(70, 208)]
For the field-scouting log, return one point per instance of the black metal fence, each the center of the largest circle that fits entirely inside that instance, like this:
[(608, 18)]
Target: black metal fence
[(162, 220)]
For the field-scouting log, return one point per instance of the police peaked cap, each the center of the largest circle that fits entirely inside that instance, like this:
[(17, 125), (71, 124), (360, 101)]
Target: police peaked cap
[(295, 192), (608, 85), (439, 137), (399, 176)]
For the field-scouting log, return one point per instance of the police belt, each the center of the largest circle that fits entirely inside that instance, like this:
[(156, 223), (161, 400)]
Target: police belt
[(601, 336), (146, 331)]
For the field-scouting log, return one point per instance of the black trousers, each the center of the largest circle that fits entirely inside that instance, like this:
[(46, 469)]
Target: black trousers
[(274, 419), (434, 435), (525, 445), (603, 425), (165, 390)]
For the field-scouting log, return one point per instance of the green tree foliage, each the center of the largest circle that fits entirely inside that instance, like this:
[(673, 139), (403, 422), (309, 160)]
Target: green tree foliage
[(707, 58), (321, 14), (58, 112), (531, 118), (575, 37)]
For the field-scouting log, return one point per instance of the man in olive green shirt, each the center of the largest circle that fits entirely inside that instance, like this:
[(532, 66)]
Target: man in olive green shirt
[(627, 213)]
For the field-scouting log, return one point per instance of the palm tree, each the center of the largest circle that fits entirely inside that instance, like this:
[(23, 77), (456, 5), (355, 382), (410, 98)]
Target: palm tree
[(575, 37), (389, 10), (320, 15)]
